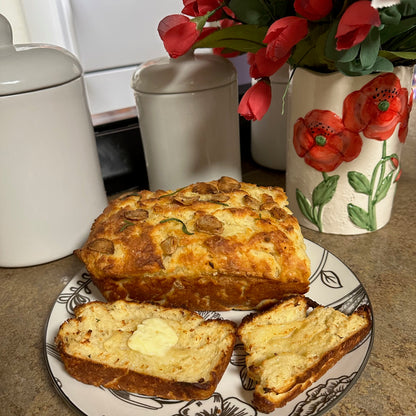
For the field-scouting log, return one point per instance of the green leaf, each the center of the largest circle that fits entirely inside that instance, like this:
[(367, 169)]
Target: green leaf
[(391, 55), (324, 191), (389, 16), (359, 182), (332, 53), (383, 188), (369, 48), (390, 32), (243, 38), (304, 206), (359, 217), (349, 55), (310, 51), (407, 7), (382, 65), (355, 68), (252, 11)]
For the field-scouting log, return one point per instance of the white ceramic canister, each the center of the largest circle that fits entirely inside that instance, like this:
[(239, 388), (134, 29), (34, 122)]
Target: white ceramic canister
[(51, 185), (268, 135), (188, 116)]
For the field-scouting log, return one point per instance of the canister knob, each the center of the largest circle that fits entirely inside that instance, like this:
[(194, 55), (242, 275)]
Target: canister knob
[(6, 34)]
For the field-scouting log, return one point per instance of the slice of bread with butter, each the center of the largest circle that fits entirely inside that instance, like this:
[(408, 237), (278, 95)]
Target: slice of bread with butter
[(148, 349)]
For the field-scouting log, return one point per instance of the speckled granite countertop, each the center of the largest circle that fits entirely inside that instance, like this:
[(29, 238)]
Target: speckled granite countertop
[(384, 261)]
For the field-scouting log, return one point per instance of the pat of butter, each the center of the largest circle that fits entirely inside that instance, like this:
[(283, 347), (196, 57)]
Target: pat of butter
[(153, 336)]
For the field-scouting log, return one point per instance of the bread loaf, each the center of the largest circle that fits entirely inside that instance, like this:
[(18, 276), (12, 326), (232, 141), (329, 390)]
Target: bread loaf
[(147, 349), (215, 245), (293, 344)]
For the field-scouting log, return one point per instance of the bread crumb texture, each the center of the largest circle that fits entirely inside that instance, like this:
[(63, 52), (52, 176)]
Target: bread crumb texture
[(101, 333), (291, 345)]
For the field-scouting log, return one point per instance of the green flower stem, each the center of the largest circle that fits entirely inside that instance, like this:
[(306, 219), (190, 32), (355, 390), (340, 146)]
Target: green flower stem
[(318, 214), (372, 200)]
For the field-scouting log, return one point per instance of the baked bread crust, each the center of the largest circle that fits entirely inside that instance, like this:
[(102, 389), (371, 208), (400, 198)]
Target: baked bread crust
[(262, 337), (81, 342), (215, 245)]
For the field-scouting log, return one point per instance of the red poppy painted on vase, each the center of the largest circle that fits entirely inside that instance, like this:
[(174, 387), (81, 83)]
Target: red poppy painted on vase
[(404, 124), (323, 141), (396, 164), (256, 101), (377, 107), (355, 24), (313, 9)]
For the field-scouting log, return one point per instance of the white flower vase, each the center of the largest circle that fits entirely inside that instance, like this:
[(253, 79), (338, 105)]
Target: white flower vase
[(343, 154), (268, 135), (188, 116)]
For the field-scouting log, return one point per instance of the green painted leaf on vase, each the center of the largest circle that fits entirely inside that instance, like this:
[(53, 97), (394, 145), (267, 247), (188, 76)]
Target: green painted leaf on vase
[(359, 217), (325, 190), (359, 182), (383, 188), (304, 206)]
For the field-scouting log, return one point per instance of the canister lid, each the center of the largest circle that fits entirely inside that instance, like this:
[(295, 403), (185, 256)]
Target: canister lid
[(188, 73), (31, 67)]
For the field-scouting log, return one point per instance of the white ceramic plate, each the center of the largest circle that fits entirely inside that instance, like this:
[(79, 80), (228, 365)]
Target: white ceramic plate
[(332, 284)]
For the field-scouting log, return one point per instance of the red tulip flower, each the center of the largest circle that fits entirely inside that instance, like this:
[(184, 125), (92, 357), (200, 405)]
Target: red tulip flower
[(355, 24), (283, 35), (256, 101), (313, 9), (202, 7), (377, 107), (323, 141), (261, 66), (178, 34)]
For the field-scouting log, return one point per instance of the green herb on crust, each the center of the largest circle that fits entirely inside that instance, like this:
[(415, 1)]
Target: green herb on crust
[(184, 229), (125, 225)]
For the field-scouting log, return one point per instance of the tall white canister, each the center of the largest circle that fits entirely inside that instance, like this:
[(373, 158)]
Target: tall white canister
[(51, 186), (269, 135), (188, 116)]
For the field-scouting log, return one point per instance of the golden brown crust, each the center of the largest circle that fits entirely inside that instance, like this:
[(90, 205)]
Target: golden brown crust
[(267, 399), (209, 245), (99, 373)]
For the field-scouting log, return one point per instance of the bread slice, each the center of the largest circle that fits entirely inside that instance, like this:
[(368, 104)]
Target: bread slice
[(147, 349), (295, 342), (215, 245)]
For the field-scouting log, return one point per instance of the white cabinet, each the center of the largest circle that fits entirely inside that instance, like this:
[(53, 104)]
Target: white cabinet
[(110, 38)]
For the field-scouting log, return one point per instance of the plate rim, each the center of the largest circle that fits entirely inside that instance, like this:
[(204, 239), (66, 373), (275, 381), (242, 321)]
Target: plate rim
[(328, 407)]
